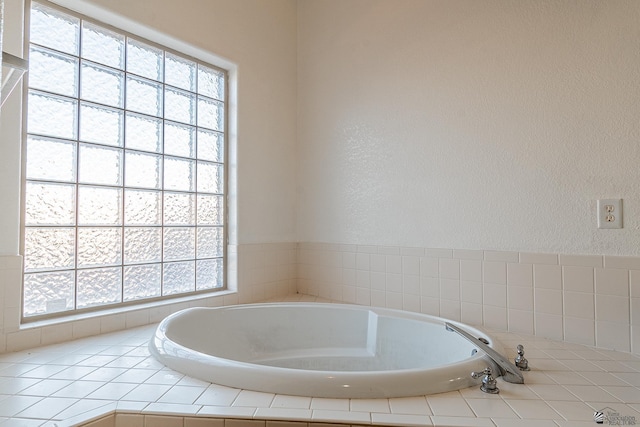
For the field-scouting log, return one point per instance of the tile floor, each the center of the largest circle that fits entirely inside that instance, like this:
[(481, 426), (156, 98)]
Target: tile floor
[(63, 384)]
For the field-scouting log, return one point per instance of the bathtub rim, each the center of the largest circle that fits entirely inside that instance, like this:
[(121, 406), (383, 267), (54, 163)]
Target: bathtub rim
[(198, 361)]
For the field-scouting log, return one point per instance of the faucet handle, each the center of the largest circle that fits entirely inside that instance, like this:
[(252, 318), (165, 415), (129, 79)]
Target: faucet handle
[(489, 384), (520, 361)]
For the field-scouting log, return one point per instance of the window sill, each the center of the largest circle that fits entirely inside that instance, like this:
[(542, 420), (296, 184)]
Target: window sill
[(124, 310)]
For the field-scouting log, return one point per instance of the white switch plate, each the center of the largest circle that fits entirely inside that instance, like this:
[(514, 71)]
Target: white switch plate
[(610, 213)]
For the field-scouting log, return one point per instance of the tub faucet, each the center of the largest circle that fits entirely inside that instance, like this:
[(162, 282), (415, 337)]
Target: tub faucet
[(521, 362), (488, 381), (506, 369)]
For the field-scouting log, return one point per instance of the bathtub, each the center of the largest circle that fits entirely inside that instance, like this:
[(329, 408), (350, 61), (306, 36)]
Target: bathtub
[(319, 350)]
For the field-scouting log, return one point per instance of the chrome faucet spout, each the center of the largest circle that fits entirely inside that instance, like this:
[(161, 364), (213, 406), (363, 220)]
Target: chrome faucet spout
[(507, 370)]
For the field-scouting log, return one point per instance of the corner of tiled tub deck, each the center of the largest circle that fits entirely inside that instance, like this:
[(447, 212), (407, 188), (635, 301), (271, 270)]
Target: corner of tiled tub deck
[(111, 381)]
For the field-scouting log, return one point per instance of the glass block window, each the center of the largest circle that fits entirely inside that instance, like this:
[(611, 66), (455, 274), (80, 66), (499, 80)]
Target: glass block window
[(125, 173)]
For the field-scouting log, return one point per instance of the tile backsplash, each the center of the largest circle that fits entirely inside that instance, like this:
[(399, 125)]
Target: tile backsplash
[(585, 299)]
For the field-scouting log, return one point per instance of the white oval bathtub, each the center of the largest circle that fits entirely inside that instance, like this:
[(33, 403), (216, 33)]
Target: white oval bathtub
[(319, 350)]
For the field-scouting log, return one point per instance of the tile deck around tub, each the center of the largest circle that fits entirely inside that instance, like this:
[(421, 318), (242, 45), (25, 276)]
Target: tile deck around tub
[(65, 384)]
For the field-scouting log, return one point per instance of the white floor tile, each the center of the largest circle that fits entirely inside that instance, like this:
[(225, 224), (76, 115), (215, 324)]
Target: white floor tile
[(146, 393), (451, 406), (74, 372), (590, 393), (449, 421), (45, 387), (486, 408), (79, 389), (253, 398), (12, 405), (511, 422), (291, 402), (294, 414), (112, 391), (576, 411), (370, 405), (165, 378), (173, 409), (533, 409), (104, 374), (182, 395), (410, 406), (404, 420), (330, 404), (218, 396), (47, 408)]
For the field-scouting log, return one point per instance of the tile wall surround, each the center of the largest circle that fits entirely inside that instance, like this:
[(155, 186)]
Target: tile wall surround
[(262, 270), (584, 299)]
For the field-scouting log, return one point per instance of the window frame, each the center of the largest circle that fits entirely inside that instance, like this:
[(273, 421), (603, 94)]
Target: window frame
[(226, 220)]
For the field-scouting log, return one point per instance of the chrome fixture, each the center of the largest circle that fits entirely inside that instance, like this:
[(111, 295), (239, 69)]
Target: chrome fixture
[(505, 368), (12, 70), (521, 362), (488, 382)]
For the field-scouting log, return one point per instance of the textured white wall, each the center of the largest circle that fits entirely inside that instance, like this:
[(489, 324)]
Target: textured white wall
[(469, 124)]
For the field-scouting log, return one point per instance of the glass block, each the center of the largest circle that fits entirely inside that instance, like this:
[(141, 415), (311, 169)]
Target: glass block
[(179, 209), (142, 170), (209, 274), (210, 210), (101, 84), (179, 243), (142, 281), (144, 60), (178, 277), (101, 125), (142, 244), (52, 116), (179, 106), (142, 207), (99, 206), (99, 246), (179, 140), (210, 242), (100, 165), (53, 71), (50, 204), (180, 72), (210, 145), (211, 82), (179, 174), (210, 178), (100, 286), (49, 248), (144, 96), (210, 114), (48, 292), (54, 29), (51, 159), (102, 45), (143, 133)]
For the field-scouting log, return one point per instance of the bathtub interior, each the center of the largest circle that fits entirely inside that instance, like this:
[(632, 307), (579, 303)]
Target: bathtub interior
[(325, 338)]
